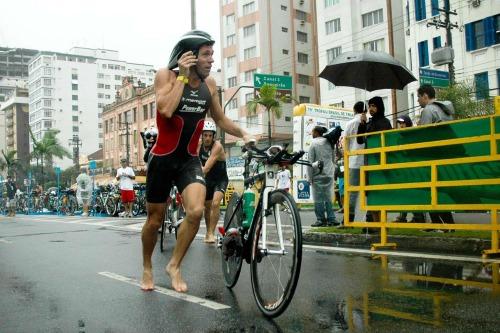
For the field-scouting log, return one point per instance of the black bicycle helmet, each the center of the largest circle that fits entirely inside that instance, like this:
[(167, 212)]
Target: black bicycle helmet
[(190, 41)]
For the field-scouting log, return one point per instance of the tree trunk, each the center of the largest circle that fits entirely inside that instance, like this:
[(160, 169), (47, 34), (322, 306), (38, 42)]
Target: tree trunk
[(43, 183), (269, 126)]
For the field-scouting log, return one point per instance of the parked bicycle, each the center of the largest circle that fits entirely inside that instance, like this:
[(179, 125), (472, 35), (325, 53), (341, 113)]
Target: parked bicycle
[(268, 235), (174, 213), (67, 203)]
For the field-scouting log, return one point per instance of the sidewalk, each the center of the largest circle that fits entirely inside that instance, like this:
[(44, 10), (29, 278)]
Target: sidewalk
[(438, 244)]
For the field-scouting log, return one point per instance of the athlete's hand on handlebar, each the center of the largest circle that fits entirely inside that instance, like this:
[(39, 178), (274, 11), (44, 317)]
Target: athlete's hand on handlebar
[(249, 140), (185, 62)]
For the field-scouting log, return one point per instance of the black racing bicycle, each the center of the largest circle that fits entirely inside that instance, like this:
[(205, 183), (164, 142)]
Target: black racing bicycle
[(267, 236)]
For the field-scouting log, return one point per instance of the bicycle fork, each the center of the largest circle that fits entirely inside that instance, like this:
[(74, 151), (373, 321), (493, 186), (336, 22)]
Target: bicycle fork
[(265, 203)]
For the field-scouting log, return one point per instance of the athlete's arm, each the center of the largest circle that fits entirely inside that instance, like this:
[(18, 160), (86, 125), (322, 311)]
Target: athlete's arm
[(168, 89), (220, 118), (215, 152)]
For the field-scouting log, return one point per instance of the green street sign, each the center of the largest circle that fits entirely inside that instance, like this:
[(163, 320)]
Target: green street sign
[(57, 170), (435, 82), (280, 81)]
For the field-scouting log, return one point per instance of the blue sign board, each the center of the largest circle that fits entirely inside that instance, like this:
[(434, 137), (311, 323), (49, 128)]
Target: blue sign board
[(434, 73), (303, 189), (57, 170), (92, 165)]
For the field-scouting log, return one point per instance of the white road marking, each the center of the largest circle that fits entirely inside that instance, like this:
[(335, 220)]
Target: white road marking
[(5, 241), (401, 254), (185, 297)]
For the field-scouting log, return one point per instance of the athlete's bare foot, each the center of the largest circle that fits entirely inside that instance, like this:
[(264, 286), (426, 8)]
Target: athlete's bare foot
[(147, 283), (209, 238), (177, 282)]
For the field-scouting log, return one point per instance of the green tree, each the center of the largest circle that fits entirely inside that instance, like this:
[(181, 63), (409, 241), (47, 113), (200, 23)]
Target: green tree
[(272, 103), (47, 148), (462, 95), (9, 162)]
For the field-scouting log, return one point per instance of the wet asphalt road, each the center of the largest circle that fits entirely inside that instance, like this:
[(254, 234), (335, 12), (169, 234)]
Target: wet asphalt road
[(64, 275)]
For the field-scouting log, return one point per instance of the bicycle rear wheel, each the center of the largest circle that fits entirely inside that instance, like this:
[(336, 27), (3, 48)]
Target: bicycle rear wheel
[(231, 267), (275, 273)]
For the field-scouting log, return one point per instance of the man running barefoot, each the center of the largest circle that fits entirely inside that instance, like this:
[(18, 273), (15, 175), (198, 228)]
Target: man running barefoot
[(213, 160), (183, 98)]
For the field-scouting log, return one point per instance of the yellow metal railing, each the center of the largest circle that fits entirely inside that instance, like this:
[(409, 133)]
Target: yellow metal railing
[(433, 184)]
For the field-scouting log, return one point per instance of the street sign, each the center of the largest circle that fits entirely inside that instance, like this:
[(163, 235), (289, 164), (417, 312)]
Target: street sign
[(57, 170), (92, 165), (436, 78), (282, 82)]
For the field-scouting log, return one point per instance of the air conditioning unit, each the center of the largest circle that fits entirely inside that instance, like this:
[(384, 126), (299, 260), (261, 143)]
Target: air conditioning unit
[(302, 22), (301, 2), (442, 56), (408, 32), (475, 3)]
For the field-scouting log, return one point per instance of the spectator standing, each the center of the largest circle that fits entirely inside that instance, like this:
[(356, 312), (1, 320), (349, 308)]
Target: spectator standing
[(84, 190), (126, 176), (283, 179)]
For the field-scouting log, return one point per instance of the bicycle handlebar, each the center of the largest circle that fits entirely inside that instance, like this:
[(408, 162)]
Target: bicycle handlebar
[(273, 154)]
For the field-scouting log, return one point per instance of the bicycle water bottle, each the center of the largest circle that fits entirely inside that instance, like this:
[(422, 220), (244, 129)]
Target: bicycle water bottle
[(248, 207)]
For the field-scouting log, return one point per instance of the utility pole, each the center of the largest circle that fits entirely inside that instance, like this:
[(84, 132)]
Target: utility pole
[(126, 134), (193, 14), (448, 26), (76, 143)]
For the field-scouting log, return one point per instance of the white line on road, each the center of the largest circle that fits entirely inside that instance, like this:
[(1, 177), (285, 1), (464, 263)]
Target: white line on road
[(185, 297), (400, 254), (5, 241)]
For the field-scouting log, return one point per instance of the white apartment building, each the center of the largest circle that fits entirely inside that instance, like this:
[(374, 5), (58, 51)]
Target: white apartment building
[(272, 37), (476, 43), (68, 91), (352, 25)]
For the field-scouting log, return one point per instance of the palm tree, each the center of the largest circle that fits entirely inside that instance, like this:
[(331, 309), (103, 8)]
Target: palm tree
[(48, 148), (9, 161), (268, 98)]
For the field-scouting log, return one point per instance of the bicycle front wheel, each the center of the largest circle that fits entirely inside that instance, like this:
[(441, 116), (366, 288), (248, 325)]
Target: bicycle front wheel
[(275, 269)]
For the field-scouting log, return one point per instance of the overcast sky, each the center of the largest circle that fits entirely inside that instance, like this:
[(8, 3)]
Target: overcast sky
[(142, 31)]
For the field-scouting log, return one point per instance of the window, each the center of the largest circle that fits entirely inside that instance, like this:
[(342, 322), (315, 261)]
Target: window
[(372, 18), (47, 123), (283, 8), (74, 107), (233, 104), (249, 30), (302, 58), (407, 13), (479, 36), (420, 10), (107, 86), (47, 82), (75, 129), (100, 85), (47, 113), (232, 82), (47, 92), (301, 36), (304, 99), (284, 51), (74, 76), (249, 8), (134, 112), (230, 19), (104, 66), (423, 54), (249, 53), (252, 121), (118, 77), (47, 103), (286, 73), (284, 29), (300, 15), (410, 59), (248, 97), (106, 128), (74, 87), (74, 97), (100, 95), (482, 85), (230, 62), (230, 40), (249, 75), (75, 118), (145, 112), (303, 79), (107, 96), (152, 110), (496, 29), (333, 53), (329, 3), (482, 33), (100, 75), (435, 7), (375, 45), (332, 26), (436, 42)]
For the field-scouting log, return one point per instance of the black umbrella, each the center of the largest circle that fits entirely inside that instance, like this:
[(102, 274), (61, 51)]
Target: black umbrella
[(367, 70)]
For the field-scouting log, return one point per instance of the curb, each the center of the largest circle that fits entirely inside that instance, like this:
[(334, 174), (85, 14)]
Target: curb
[(448, 245)]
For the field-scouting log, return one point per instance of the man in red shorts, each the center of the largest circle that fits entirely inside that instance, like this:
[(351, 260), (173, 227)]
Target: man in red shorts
[(126, 176)]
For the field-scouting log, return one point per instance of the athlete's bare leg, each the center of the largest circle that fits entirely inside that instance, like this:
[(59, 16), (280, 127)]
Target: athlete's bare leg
[(214, 217), (193, 198), (156, 213), (207, 214)]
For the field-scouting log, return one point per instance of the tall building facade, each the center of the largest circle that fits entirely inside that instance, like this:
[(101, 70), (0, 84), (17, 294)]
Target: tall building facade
[(15, 112), (354, 25), (13, 69), (68, 92), (476, 43), (272, 37)]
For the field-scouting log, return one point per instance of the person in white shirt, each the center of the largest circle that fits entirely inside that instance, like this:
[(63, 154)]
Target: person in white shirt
[(84, 190), (283, 179), (355, 161), (126, 175)]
